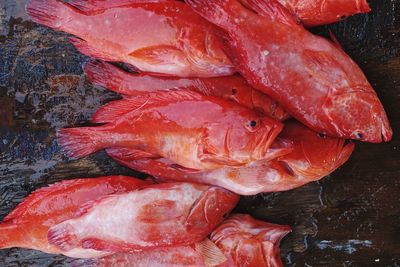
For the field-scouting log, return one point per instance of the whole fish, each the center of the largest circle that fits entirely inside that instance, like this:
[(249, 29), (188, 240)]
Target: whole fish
[(161, 37), (155, 216), (201, 254), (195, 131), (299, 156), (28, 224), (313, 79), (250, 243), (233, 88), (318, 12), (309, 12)]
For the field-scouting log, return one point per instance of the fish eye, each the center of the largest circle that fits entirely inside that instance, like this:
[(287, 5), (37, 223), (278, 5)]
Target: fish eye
[(322, 135), (359, 135), (252, 125)]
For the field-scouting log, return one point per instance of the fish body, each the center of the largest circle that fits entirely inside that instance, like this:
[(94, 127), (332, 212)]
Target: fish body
[(248, 242), (27, 226), (299, 157), (233, 88), (178, 256), (155, 216), (161, 37), (201, 254), (196, 131), (313, 13), (313, 79)]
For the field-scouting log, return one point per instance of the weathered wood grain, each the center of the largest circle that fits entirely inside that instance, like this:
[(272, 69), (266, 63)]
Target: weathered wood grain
[(348, 219)]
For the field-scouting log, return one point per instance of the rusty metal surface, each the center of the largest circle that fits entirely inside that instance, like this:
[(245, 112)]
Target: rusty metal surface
[(351, 218)]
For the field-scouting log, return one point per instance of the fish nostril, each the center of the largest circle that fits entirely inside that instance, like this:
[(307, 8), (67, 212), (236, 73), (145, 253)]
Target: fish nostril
[(234, 91)]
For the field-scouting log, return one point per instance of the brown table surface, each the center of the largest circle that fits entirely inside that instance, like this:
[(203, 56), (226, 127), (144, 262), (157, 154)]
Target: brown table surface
[(351, 218)]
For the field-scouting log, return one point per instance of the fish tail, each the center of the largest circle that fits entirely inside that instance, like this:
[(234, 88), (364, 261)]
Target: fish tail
[(8, 235), (80, 142), (107, 75), (62, 237), (51, 13)]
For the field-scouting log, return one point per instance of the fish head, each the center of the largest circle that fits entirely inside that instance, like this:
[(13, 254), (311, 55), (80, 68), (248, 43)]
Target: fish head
[(314, 155), (249, 240), (252, 137), (242, 139), (210, 209), (358, 114)]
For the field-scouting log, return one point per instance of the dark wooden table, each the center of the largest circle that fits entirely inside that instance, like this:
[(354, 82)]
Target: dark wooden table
[(351, 218)]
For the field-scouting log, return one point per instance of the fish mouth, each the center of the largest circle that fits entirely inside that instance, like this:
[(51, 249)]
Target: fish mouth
[(357, 114)]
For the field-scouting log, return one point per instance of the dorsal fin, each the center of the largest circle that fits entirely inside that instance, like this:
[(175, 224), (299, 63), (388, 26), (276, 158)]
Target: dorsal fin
[(93, 7), (40, 194), (114, 110)]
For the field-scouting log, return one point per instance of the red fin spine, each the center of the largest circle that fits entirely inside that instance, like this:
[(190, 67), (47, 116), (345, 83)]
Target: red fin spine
[(106, 75), (50, 13), (61, 237), (81, 142), (115, 109)]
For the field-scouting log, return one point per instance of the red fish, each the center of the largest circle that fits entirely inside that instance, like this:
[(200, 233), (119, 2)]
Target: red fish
[(91, 7), (196, 131), (250, 243), (160, 37), (27, 226), (312, 78), (319, 12), (201, 254), (234, 88), (309, 12), (155, 216), (301, 156)]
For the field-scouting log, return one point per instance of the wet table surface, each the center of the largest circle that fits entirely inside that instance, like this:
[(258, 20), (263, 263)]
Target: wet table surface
[(351, 218)]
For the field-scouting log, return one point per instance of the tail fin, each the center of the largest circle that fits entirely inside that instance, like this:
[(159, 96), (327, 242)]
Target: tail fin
[(50, 13), (108, 76), (8, 235), (80, 142)]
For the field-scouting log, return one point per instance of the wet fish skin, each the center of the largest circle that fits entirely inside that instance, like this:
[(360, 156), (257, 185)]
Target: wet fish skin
[(155, 216), (167, 36), (233, 88), (27, 225), (248, 242), (313, 79), (319, 12), (299, 156), (196, 131)]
